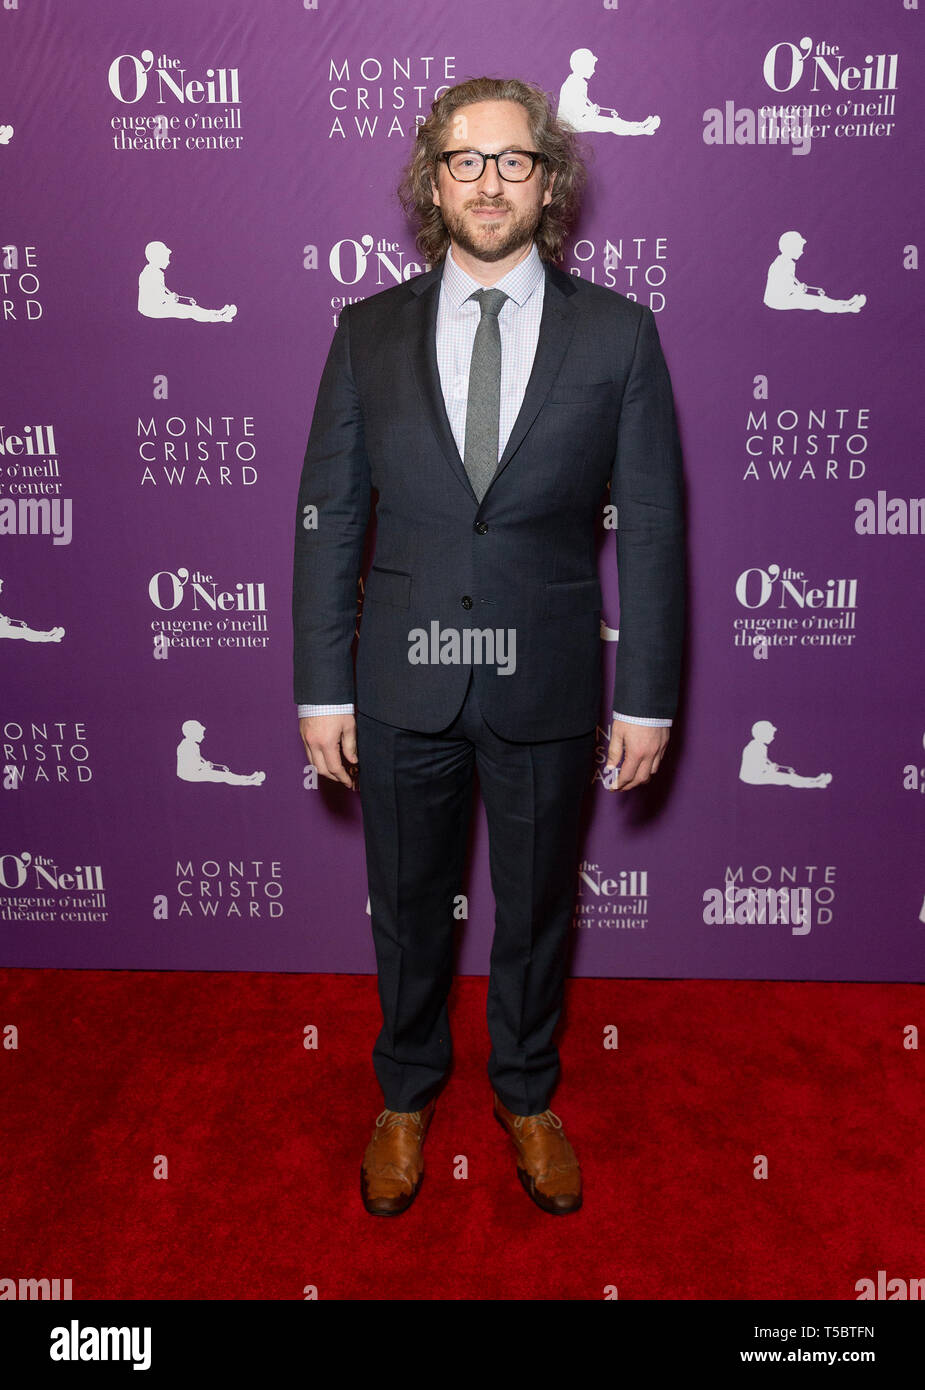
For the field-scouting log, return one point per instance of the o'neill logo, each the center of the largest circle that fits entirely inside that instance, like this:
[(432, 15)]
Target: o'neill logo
[(128, 81), (778, 589), (351, 258), (164, 78), (34, 889), (611, 898), (170, 590), (755, 588), (785, 65), (36, 441), (167, 591), (30, 467)]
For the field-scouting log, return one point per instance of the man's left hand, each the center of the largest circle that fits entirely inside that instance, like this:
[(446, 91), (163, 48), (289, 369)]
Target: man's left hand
[(639, 748)]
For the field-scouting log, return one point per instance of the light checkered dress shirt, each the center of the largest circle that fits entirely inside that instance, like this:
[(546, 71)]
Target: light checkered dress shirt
[(458, 317)]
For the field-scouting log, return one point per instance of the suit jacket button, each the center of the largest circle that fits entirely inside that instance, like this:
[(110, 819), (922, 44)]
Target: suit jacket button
[(466, 601), (481, 527)]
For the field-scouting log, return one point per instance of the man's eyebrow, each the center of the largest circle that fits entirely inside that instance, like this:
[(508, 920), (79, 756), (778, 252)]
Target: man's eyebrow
[(470, 149)]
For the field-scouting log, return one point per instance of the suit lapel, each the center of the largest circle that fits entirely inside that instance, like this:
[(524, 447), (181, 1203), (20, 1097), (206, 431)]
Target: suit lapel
[(421, 314), (557, 325)]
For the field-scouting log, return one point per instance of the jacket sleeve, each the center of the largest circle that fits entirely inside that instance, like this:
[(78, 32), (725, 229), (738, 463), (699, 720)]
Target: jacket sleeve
[(647, 487), (329, 540)]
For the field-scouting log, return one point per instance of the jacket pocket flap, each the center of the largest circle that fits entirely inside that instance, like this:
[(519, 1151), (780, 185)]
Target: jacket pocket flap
[(388, 586), (573, 596)]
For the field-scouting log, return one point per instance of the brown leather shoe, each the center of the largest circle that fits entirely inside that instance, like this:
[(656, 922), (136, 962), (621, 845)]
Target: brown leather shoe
[(546, 1164), (392, 1164)]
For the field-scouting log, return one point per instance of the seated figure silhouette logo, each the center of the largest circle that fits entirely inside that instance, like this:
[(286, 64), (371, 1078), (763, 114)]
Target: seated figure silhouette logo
[(784, 291), (193, 767), (578, 111), (19, 628), (758, 770), (156, 301)]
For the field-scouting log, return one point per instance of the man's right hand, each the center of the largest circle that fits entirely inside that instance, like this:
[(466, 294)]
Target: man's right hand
[(331, 743)]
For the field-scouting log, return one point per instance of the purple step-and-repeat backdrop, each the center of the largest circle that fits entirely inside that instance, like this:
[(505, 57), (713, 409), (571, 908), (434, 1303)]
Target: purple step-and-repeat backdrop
[(755, 180)]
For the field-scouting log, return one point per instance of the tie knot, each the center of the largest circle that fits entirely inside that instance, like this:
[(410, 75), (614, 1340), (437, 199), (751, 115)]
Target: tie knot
[(490, 301)]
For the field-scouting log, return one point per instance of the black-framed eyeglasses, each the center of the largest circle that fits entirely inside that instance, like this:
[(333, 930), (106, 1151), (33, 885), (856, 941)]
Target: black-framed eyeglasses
[(514, 166)]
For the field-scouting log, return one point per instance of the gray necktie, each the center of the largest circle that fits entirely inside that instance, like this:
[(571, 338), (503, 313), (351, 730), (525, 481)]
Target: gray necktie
[(483, 409)]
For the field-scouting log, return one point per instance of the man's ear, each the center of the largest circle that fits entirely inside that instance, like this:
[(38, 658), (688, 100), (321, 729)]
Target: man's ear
[(547, 195), (434, 191)]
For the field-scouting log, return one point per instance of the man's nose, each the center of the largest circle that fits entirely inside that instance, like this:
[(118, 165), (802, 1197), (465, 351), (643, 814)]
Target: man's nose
[(491, 181)]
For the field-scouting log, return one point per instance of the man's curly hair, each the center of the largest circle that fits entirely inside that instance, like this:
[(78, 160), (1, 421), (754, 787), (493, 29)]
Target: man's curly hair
[(549, 136)]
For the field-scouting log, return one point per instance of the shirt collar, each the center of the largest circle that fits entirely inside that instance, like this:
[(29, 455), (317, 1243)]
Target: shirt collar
[(518, 284)]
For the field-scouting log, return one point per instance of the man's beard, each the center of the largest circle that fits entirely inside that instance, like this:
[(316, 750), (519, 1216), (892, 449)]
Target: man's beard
[(520, 229)]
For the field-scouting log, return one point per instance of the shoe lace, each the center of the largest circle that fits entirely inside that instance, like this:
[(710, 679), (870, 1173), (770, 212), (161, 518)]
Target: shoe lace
[(547, 1119), (527, 1125), (399, 1119)]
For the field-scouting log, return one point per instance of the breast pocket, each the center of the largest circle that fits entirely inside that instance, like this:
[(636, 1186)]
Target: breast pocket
[(388, 586), (581, 393)]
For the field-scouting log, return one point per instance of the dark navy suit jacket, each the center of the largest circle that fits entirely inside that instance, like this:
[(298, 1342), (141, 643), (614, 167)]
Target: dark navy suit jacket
[(598, 408)]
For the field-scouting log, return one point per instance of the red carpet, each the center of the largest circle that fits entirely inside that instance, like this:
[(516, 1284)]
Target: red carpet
[(263, 1141)]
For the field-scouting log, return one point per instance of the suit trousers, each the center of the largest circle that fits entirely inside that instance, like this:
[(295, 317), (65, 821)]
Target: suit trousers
[(416, 791)]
